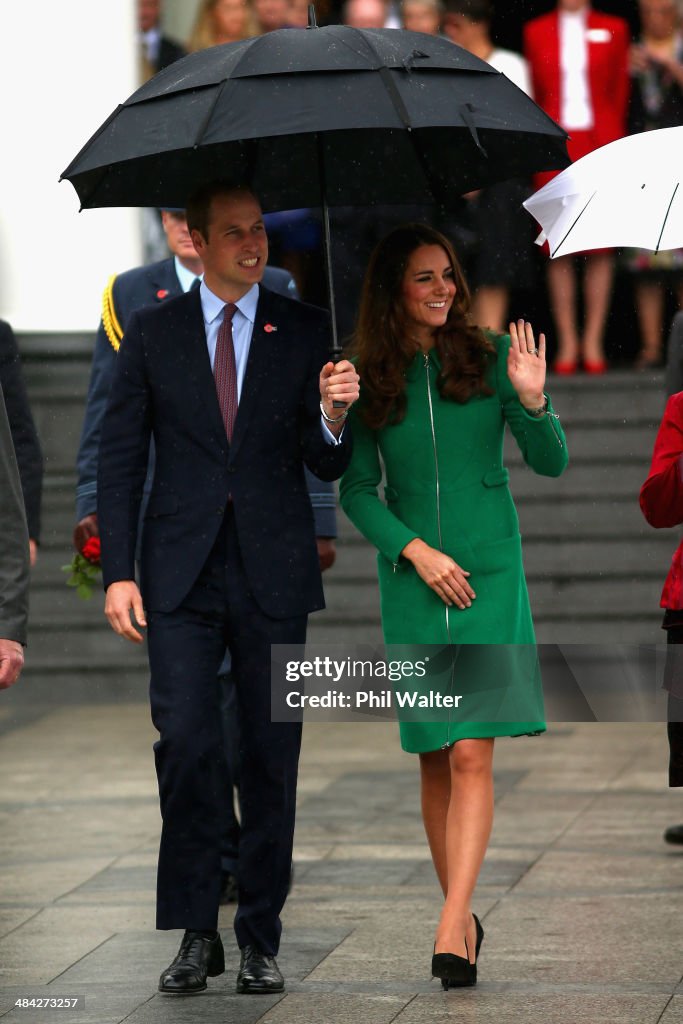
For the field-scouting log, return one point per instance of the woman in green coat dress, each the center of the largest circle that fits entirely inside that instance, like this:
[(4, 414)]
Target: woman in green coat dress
[(436, 393)]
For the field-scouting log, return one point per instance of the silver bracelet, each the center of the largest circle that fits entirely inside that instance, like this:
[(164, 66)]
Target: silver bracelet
[(338, 419)]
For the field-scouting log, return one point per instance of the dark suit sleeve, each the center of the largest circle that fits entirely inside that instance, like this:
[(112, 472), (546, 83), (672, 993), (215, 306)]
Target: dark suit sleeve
[(23, 429), (14, 563), (102, 371), (123, 455)]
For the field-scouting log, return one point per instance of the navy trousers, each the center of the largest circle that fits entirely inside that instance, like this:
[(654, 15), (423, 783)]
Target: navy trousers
[(186, 648)]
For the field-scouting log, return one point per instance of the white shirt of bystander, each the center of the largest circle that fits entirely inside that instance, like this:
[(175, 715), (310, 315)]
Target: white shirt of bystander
[(576, 109)]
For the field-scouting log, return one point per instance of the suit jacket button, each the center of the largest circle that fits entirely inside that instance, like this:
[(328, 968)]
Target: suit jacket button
[(220, 511)]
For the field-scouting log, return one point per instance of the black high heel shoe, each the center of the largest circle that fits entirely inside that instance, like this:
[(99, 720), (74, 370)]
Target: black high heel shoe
[(457, 971)]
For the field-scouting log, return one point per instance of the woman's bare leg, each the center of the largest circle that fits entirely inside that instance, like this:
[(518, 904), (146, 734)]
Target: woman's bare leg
[(458, 831), (597, 290), (562, 288), (490, 306), (650, 305), (435, 776)]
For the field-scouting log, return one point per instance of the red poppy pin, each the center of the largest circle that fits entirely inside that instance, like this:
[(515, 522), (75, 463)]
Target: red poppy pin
[(270, 328), (162, 293)]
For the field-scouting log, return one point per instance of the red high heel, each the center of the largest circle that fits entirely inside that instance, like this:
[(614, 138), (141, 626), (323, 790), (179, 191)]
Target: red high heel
[(594, 366), (565, 367)]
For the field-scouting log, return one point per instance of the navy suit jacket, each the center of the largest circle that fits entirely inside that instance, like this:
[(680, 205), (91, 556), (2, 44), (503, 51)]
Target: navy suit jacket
[(153, 285), (168, 391)]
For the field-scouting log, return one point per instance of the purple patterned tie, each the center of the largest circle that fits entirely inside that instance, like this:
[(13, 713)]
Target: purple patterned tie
[(225, 370)]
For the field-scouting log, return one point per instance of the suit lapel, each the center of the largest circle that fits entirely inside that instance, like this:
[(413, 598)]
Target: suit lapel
[(260, 365), (165, 281)]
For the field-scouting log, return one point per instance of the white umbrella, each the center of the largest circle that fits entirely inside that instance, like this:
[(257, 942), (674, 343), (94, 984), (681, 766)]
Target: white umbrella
[(625, 194)]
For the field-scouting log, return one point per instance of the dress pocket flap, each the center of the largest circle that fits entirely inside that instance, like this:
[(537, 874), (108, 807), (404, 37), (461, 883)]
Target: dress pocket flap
[(496, 477)]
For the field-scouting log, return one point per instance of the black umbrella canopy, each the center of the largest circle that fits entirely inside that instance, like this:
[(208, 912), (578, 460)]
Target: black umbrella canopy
[(354, 117)]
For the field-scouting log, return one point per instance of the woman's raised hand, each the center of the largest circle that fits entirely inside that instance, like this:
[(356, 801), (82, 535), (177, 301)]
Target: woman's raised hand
[(440, 572), (526, 364)]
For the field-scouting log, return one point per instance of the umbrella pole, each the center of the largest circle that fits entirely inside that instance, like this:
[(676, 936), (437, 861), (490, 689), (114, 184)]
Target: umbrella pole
[(336, 351), (327, 244)]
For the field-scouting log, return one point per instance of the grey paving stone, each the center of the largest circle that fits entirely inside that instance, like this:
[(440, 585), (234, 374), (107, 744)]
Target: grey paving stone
[(108, 1003), (570, 872), (212, 1007), (674, 1011), (303, 1008), (556, 940), (479, 1006)]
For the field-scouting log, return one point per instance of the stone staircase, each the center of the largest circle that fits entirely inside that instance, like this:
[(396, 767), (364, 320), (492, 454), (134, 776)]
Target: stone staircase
[(594, 566)]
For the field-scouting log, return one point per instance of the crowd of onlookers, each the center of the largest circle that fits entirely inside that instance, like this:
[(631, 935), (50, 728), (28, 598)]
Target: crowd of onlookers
[(585, 68)]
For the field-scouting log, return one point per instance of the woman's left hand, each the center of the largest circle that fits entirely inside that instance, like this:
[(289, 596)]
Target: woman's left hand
[(526, 364)]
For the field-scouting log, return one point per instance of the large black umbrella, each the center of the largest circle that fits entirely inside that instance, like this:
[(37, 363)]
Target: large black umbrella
[(337, 115)]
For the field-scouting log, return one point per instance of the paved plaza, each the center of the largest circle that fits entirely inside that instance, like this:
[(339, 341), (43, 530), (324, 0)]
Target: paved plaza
[(580, 897)]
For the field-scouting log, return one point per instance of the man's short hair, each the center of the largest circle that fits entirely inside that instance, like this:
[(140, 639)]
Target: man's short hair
[(475, 10), (199, 203)]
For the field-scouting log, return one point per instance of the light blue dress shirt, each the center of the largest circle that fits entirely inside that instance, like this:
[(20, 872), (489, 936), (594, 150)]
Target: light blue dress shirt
[(186, 277), (242, 331)]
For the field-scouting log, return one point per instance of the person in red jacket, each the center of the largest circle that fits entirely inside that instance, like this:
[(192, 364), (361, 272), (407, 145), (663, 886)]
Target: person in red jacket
[(578, 59), (661, 501)]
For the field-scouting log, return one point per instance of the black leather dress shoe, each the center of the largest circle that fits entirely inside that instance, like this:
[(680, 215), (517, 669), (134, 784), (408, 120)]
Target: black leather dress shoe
[(258, 972), (674, 834), (197, 958)]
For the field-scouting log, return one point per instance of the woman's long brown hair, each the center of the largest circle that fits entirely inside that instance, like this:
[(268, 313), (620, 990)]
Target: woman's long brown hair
[(382, 346)]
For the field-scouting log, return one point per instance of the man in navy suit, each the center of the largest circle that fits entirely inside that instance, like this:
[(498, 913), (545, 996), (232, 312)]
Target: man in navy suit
[(228, 556), (148, 286)]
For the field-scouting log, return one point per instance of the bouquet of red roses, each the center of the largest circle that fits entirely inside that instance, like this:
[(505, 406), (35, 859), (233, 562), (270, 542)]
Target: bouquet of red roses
[(85, 569)]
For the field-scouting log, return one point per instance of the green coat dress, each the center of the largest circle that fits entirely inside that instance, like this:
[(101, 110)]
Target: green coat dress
[(446, 483)]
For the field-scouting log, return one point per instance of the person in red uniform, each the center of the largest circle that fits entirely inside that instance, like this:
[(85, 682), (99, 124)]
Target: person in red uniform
[(578, 59), (661, 501)]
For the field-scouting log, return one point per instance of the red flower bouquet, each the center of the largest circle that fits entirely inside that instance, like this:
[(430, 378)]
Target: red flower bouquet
[(84, 569)]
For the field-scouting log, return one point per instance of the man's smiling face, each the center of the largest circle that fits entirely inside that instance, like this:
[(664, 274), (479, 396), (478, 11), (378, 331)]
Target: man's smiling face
[(235, 251)]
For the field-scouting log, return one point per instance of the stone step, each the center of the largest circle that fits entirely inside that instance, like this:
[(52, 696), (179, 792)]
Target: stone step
[(570, 519), (643, 629), (580, 562)]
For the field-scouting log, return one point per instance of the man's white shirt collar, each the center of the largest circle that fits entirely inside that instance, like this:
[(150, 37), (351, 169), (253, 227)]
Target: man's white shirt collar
[(212, 305)]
